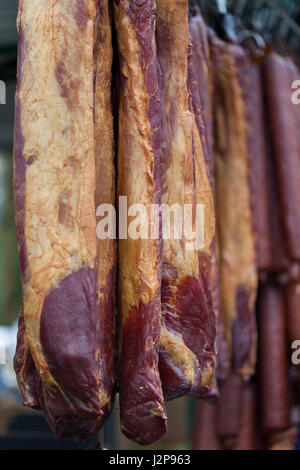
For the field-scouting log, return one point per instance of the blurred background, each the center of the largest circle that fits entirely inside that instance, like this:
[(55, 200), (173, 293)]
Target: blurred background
[(24, 429)]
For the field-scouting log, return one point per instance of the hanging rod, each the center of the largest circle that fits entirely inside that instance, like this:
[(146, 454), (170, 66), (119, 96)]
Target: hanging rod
[(275, 20)]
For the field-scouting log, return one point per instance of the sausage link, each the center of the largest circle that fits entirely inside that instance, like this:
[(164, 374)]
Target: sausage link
[(273, 374), (247, 436), (286, 144), (230, 410), (205, 436)]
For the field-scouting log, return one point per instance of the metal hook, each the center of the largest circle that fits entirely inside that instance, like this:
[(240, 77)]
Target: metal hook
[(253, 41), (248, 34), (273, 20), (222, 6), (227, 25)]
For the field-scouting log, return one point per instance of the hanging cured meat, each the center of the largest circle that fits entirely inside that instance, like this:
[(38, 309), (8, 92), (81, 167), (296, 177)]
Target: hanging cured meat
[(64, 360), (141, 401), (201, 89), (284, 120), (235, 229), (258, 165), (187, 357), (273, 372)]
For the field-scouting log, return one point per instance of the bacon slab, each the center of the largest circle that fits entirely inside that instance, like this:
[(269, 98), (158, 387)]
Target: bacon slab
[(235, 229), (105, 195), (187, 358), (199, 36), (59, 361), (143, 417), (201, 85)]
